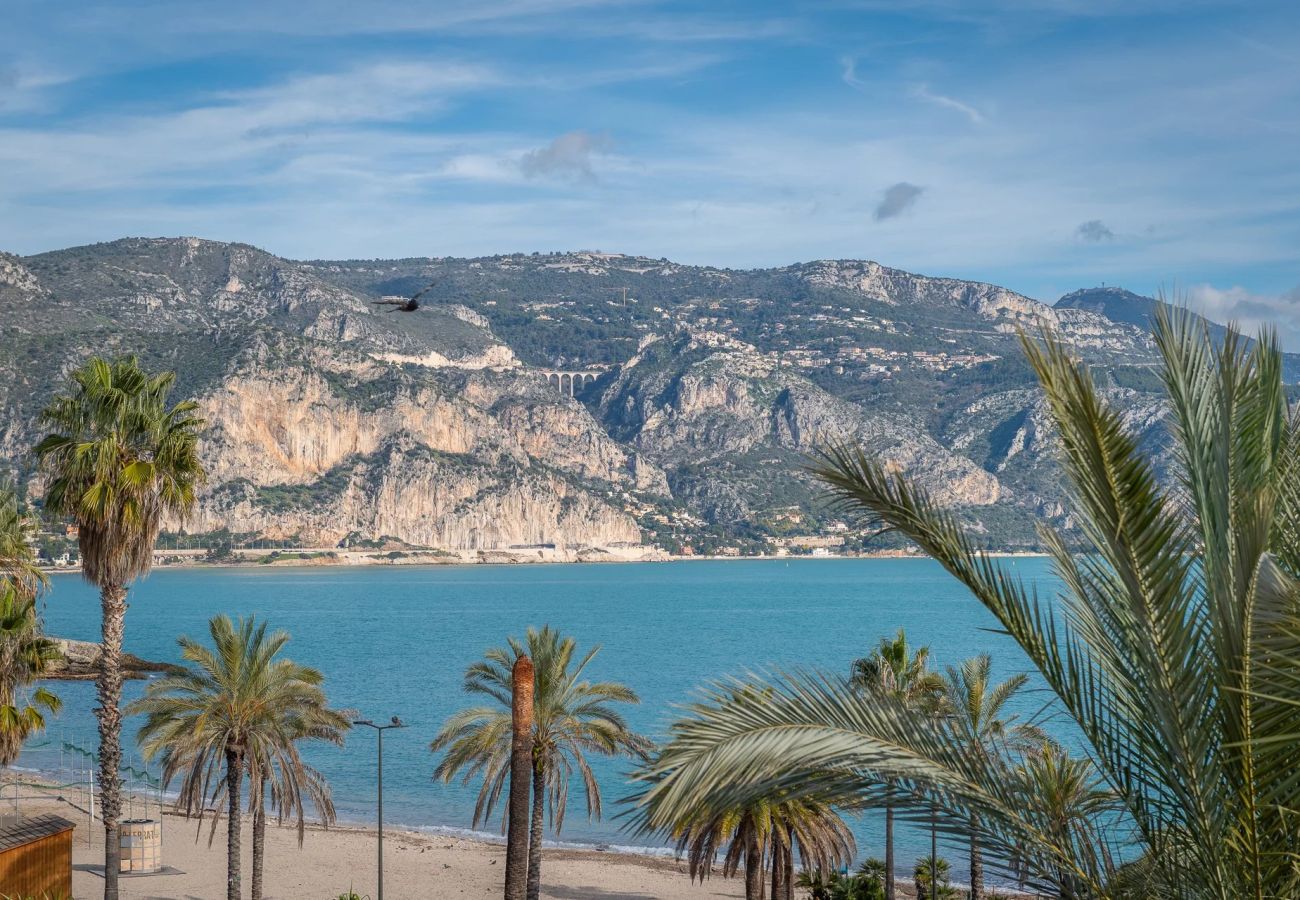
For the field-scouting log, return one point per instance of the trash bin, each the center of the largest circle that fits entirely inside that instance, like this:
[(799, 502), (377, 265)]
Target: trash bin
[(141, 843)]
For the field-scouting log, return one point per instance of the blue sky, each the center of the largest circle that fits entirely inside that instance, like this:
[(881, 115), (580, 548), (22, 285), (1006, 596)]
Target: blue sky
[(1040, 144)]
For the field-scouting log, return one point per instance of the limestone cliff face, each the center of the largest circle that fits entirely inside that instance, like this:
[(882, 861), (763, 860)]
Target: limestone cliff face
[(428, 499), (289, 427), (478, 460)]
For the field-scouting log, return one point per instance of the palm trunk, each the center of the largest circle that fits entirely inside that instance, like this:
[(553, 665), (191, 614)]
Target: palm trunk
[(259, 840), (889, 851), (112, 599), (535, 833), (521, 770), (234, 780), (976, 871), (782, 864), (778, 870), (754, 869), (789, 874)]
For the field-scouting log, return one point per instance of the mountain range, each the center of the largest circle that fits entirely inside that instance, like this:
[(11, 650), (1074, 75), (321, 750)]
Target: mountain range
[(575, 400)]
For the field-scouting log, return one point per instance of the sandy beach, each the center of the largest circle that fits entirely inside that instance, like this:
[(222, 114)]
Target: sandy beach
[(329, 862)]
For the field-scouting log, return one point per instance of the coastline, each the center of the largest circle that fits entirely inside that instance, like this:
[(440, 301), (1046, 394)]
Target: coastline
[(327, 558)]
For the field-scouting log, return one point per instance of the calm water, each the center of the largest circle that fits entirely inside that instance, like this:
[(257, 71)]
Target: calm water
[(395, 641)]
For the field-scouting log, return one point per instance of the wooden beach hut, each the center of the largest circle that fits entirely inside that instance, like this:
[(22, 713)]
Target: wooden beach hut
[(36, 858)]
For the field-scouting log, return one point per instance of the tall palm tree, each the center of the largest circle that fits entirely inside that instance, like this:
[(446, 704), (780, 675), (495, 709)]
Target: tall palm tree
[(978, 709), (236, 707), (572, 718), (24, 655), (895, 669), (118, 459), (1173, 644)]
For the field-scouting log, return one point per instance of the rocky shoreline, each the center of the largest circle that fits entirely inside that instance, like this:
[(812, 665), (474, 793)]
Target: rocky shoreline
[(80, 662)]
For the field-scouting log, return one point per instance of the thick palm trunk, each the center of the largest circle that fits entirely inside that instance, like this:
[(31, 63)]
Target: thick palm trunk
[(754, 870), (234, 779), (779, 854), (889, 852), (112, 599), (535, 834), (976, 872), (789, 874), (259, 842), (521, 771)]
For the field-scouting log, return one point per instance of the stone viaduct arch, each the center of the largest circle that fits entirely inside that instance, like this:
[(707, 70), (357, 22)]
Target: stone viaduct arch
[(567, 381)]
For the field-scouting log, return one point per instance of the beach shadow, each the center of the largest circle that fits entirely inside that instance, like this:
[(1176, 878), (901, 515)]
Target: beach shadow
[(565, 892)]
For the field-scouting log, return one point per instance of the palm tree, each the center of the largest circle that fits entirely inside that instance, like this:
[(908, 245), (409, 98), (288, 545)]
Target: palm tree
[(24, 651), (1072, 808), (771, 829), (977, 708), (1173, 645), (896, 670), (572, 718), (17, 561), (118, 459), (930, 876), (236, 707), (24, 655)]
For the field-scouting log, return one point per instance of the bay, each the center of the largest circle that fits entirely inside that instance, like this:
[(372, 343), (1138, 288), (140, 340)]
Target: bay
[(395, 640)]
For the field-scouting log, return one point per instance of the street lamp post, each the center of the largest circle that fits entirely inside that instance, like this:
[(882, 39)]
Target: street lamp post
[(379, 730)]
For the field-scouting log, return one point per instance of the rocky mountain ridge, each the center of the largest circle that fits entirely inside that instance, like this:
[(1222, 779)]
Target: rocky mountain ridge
[(334, 421)]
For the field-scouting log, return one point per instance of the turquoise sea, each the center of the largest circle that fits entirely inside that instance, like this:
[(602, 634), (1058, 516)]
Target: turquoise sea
[(396, 641)]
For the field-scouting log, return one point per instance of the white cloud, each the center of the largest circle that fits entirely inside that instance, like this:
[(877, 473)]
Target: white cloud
[(1250, 311)]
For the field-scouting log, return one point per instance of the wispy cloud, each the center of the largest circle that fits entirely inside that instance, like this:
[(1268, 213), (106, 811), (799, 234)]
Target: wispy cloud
[(923, 92), (1094, 231), (1250, 311), (849, 72), (898, 199)]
